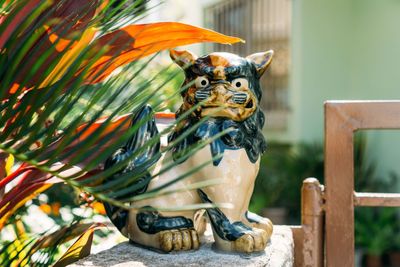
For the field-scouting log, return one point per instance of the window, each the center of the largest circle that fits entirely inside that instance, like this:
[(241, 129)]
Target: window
[(264, 24)]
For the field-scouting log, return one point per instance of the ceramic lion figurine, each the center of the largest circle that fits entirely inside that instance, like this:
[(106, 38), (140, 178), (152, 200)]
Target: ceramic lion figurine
[(229, 89)]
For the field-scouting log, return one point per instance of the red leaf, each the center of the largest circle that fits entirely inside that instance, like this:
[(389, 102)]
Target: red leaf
[(63, 25), (14, 19)]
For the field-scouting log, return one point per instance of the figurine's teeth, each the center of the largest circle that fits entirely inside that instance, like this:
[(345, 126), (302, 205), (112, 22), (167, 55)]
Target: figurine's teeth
[(239, 98), (201, 95)]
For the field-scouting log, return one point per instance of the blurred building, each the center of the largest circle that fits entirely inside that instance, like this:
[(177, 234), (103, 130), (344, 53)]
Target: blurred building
[(325, 50)]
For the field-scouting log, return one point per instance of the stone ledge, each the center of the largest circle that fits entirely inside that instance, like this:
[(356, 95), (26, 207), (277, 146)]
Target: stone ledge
[(278, 253)]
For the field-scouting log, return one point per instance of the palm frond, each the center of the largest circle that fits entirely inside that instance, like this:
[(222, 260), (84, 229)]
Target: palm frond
[(62, 112)]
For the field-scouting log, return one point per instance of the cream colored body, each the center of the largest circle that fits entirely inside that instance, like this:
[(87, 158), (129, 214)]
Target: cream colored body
[(233, 99), (236, 176)]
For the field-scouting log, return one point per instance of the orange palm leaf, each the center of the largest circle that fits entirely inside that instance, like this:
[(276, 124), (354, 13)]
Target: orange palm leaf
[(136, 41)]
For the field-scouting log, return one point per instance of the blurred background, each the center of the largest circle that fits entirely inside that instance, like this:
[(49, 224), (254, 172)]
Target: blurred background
[(324, 50)]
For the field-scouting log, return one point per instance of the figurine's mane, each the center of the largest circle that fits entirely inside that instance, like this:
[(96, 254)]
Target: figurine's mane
[(245, 134)]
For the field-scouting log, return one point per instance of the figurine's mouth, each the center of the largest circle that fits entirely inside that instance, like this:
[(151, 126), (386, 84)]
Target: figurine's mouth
[(233, 111), (224, 101)]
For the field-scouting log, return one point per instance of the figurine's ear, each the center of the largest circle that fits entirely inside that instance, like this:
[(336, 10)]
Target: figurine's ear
[(182, 58), (261, 60)]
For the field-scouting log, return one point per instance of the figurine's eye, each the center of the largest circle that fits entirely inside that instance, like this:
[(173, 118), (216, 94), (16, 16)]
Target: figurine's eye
[(240, 83), (201, 82)]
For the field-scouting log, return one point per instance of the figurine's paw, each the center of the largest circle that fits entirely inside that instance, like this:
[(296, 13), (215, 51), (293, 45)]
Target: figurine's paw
[(259, 222), (179, 239), (266, 225), (252, 241)]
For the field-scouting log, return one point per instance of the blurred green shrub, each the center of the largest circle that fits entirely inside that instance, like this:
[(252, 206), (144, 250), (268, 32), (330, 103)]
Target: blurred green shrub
[(282, 171), (284, 167)]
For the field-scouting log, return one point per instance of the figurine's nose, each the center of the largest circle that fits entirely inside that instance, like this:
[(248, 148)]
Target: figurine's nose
[(220, 93), (220, 89)]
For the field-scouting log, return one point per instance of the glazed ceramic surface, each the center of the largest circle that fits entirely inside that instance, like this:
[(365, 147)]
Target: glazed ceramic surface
[(222, 98)]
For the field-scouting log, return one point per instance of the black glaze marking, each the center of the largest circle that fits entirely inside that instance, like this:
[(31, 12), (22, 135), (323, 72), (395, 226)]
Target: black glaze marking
[(233, 71), (117, 215), (138, 165), (246, 134), (151, 222), (221, 224), (253, 218)]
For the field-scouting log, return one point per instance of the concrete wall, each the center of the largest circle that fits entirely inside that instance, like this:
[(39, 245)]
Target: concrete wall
[(345, 49)]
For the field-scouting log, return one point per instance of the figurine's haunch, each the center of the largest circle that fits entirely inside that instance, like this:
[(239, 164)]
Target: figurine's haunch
[(229, 89)]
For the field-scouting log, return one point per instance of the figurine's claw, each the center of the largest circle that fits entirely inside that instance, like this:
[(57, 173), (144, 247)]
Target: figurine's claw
[(180, 239), (266, 225), (259, 222), (253, 241)]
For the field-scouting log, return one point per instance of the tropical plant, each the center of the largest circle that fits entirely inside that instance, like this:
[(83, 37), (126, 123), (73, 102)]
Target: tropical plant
[(61, 109), (282, 171), (376, 229)]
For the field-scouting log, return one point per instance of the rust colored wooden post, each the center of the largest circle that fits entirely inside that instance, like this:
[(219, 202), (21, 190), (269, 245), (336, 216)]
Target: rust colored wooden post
[(312, 223), (309, 237), (339, 182)]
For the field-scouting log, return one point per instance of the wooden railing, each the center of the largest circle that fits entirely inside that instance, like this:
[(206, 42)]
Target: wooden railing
[(342, 119), (326, 236)]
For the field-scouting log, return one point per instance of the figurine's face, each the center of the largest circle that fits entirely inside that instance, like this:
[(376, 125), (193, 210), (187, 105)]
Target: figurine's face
[(227, 85)]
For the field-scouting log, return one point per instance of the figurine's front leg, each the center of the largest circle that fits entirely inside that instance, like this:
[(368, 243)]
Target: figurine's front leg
[(231, 235), (166, 230), (164, 233)]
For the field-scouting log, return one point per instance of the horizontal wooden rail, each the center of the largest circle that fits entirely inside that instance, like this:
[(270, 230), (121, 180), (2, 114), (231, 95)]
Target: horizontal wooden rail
[(376, 199)]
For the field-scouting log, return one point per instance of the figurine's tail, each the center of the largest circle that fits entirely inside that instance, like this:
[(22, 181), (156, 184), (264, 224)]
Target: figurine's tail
[(147, 155)]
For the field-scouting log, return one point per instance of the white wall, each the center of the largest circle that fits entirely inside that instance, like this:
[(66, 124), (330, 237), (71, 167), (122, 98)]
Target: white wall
[(345, 49)]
